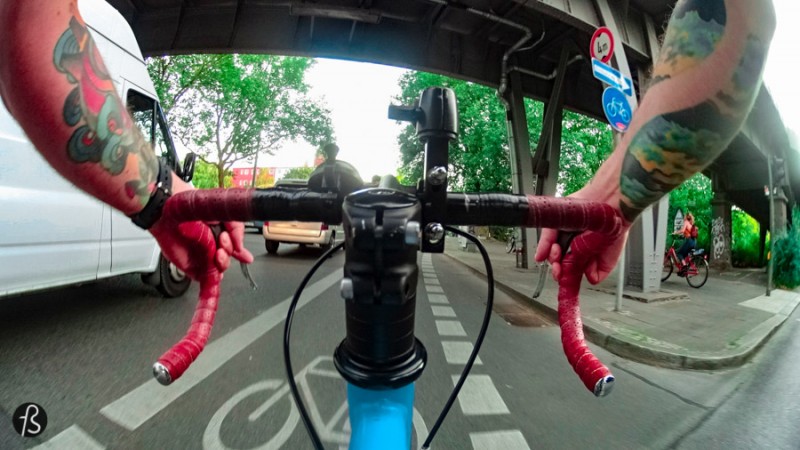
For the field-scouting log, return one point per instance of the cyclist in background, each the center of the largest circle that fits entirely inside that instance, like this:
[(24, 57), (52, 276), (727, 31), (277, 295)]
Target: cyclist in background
[(689, 234), (45, 50), (703, 86)]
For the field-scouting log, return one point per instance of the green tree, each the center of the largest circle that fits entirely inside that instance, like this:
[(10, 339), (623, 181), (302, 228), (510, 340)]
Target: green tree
[(298, 173), (745, 239), (479, 160), (225, 108), (206, 176), (585, 144)]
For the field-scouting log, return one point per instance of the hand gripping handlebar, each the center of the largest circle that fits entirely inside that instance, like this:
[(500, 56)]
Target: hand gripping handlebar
[(462, 209)]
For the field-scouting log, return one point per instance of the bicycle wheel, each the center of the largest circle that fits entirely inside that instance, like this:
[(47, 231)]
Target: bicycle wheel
[(698, 279), (666, 269)]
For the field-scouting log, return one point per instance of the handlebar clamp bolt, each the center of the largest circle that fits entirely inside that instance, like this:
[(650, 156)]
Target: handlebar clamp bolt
[(434, 232), (412, 233), (346, 289), (437, 175)]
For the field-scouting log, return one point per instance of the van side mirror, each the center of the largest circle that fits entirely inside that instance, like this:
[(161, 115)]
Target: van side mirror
[(187, 173)]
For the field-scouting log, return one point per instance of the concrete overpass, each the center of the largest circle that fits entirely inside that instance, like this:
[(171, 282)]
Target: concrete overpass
[(525, 48)]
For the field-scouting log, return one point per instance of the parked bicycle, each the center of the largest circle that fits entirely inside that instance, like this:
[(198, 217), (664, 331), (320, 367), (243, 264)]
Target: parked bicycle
[(511, 244), (694, 267)]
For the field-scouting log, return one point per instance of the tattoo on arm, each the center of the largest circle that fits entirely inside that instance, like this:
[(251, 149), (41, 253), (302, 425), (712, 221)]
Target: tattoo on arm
[(104, 133), (673, 146)]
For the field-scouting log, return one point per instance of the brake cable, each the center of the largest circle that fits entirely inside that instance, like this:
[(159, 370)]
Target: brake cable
[(287, 330), (478, 341)]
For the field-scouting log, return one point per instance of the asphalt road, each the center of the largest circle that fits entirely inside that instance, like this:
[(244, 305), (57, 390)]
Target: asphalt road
[(84, 354)]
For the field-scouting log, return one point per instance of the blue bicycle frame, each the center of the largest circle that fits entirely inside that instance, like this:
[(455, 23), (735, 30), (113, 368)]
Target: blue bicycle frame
[(380, 419)]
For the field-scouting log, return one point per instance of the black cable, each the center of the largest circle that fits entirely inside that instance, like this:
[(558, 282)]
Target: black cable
[(287, 360), (484, 327)]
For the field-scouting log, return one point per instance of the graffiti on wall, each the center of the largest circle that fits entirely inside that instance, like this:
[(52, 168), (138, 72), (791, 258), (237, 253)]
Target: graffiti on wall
[(719, 237)]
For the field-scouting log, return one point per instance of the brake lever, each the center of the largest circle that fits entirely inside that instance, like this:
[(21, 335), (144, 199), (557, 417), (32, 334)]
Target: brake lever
[(564, 240), (216, 230)]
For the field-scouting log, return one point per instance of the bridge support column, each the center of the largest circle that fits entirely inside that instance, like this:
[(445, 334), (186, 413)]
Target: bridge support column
[(720, 257), (780, 205), (522, 180), (645, 249)]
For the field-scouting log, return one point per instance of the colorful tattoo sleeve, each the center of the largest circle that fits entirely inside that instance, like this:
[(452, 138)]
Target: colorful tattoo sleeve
[(672, 146), (104, 132)]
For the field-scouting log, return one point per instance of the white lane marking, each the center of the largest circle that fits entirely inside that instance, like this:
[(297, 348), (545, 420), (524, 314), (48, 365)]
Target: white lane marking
[(458, 352), (450, 328), (443, 311), (478, 396), (72, 437), (499, 440), (438, 298), (137, 406), (431, 282), (434, 289)]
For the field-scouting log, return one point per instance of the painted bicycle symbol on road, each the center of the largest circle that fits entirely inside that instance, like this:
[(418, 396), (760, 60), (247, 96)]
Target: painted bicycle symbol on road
[(332, 424)]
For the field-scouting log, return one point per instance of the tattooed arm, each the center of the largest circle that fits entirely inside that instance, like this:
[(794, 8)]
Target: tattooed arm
[(704, 84), (54, 82)]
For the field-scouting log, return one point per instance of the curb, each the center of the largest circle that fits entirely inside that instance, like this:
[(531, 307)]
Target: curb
[(620, 345)]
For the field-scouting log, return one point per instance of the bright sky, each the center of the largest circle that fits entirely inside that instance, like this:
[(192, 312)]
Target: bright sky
[(780, 75), (359, 94)]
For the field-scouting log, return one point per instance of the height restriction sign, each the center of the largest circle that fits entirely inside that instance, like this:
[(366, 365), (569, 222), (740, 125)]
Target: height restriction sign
[(602, 44)]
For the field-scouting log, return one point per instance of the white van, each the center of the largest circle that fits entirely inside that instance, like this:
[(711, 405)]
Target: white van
[(51, 233)]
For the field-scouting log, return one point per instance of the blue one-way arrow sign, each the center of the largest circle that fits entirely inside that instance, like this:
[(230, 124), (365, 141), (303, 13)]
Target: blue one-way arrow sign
[(612, 77)]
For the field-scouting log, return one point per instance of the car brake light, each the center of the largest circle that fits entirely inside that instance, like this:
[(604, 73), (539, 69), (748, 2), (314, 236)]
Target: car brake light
[(324, 227), (266, 224)]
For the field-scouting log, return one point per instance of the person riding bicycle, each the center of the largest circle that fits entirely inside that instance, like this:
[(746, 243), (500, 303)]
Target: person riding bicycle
[(689, 234), (702, 88), (703, 85)]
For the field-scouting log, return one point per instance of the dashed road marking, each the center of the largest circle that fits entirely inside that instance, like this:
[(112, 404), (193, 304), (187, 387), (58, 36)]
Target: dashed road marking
[(456, 352), (443, 311), (434, 289), (438, 298), (478, 396), (450, 328), (72, 437), (499, 440)]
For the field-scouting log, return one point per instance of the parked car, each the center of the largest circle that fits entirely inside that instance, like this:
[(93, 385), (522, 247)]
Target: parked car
[(294, 232), (254, 224)]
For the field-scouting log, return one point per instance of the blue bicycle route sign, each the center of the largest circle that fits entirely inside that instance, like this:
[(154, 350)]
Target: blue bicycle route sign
[(617, 108)]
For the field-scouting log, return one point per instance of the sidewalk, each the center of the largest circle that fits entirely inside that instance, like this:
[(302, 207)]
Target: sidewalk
[(720, 325)]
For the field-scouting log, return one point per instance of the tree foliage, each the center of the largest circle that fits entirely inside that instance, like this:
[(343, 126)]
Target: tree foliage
[(206, 176), (228, 107), (786, 255), (298, 173), (479, 160), (585, 144)]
